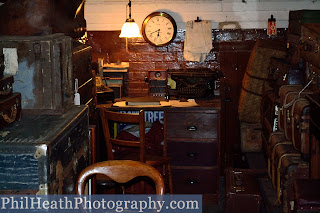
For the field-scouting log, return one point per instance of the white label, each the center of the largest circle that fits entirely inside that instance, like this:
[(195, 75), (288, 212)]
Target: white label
[(10, 61)]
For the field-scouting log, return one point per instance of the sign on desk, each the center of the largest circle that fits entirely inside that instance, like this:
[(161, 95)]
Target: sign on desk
[(150, 117)]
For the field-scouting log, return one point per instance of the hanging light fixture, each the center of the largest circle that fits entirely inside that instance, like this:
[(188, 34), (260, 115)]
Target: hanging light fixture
[(130, 29)]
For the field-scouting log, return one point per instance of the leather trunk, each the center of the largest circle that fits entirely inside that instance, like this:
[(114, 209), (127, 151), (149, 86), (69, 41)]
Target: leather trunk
[(44, 154), (297, 18), (300, 115), (307, 195), (10, 109), (6, 85), (287, 167), (310, 39), (283, 73), (282, 95), (242, 191), (275, 139)]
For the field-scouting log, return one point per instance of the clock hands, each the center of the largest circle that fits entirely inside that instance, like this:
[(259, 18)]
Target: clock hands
[(157, 31)]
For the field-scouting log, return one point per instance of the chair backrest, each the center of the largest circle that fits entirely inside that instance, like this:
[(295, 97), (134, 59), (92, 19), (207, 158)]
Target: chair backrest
[(108, 116), (121, 171)]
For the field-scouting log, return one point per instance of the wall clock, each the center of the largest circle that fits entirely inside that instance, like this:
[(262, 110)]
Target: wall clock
[(159, 29)]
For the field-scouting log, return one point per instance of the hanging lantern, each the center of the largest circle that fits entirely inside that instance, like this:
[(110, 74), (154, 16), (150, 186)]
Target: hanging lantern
[(272, 27)]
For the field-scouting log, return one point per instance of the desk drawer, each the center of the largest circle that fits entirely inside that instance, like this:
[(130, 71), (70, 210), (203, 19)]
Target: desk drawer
[(195, 180), (193, 153), (181, 124)]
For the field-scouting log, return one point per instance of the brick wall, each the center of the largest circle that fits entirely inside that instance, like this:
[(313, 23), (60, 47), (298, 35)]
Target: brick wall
[(143, 57)]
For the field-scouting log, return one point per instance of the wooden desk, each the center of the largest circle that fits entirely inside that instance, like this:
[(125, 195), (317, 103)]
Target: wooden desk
[(192, 135)]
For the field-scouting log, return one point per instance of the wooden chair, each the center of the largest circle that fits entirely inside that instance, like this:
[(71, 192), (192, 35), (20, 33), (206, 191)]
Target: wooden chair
[(121, 171), (107, 117)]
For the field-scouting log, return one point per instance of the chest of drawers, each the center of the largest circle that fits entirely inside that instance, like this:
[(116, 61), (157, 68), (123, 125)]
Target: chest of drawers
[(193, 143)]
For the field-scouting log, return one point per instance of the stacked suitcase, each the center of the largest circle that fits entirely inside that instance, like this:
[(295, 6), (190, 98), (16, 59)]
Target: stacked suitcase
[(286, 109), (10, 103)]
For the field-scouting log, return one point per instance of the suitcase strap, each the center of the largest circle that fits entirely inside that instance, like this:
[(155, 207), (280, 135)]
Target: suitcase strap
[(278, 173), (301, 91), (13, 115), (273, 172)]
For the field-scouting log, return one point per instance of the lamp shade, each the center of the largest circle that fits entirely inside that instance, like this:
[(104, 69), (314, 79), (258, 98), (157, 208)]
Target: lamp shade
[(130, 29)]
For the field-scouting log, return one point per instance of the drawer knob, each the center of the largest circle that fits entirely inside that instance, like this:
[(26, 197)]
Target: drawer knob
[(191, 154), (192, 128), (191, 181)]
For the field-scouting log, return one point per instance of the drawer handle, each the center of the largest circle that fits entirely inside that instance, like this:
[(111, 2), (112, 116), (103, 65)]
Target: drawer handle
[(192, 154), (192, 128), (191, 181)]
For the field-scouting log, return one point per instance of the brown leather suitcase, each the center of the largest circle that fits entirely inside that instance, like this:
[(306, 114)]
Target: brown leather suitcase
[(293, 49), (284, 73), (242, 191), (6, 84), (274, 139), (10, 109), (282, 95), (297, 18), (300, 115), (287, 167), (307, 195), (310, 38)]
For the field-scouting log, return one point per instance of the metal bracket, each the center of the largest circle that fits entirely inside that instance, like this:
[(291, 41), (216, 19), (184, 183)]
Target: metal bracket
[(43, 189), (41, 151)]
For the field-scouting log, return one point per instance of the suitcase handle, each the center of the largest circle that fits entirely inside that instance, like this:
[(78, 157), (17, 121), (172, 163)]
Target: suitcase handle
[(12, 117), (7, 91)]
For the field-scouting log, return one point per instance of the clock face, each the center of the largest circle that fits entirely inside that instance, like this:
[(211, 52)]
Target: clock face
[(159, 29)]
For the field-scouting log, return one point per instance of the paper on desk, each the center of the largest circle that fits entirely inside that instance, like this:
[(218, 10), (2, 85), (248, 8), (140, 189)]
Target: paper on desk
[(123, 104), (189, 103), (174, 103)]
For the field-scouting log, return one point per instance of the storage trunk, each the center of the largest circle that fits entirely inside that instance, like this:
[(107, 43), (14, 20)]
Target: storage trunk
[(300, 115), (242, 191), (293, 49), (45, 153), (275, 139), (299, 17), (310, 39), (6, 84), (292, 168), (307, 195), (10, 109), (44, 76), (287, 167), (253, 83), (251, 137), (283, 73)]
